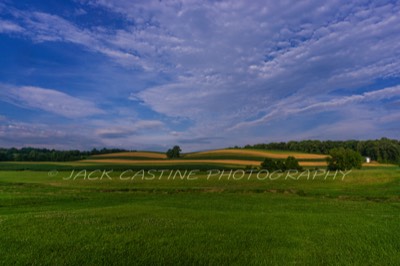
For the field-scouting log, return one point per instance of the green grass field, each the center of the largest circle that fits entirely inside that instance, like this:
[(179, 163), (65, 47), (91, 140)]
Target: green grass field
[(47, 218)]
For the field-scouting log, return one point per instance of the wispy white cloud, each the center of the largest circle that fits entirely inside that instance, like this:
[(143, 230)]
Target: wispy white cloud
[(128, 130), (323, 106), (148, 124), (48, 100), (44, 27), (9, 27), (56, 136)]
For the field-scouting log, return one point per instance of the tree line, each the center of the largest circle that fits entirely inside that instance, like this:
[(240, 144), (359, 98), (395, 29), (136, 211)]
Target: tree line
[(383, 150), (338, 159), (291, 163), (175, 152), (37, 155)]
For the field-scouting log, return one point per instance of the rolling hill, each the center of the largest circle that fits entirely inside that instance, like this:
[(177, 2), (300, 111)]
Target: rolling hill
[(223, 157)]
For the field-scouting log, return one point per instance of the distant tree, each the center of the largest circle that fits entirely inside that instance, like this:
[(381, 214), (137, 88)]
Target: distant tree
[(291, 163), (3, 156), (344, 159), (368, 148), (388, 151), (281, 165), (269, 164), (175, 152)]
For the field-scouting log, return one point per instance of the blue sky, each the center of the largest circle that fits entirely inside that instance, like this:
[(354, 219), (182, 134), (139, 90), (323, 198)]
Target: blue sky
[(149, 74)]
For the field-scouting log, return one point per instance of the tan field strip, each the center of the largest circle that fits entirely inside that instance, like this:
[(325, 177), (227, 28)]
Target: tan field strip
[(376, 164), (68, 163), (210, 161), (133, 154), (259, 153), (172, 162), (183, 162), (108, 158), (312, 163)]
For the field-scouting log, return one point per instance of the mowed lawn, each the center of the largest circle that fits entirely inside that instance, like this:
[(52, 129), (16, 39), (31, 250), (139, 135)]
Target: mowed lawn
[(51, 219)]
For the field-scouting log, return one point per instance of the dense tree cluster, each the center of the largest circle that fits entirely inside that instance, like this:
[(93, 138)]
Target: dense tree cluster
[(344, 159), (290, 163), (382, 150), (35, 155), (175, 152)]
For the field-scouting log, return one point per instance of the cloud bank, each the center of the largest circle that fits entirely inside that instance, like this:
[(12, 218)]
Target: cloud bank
[(220, 73)]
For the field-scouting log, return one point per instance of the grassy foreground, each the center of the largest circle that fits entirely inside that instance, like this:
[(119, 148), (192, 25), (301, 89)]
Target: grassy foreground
[(49, 218)]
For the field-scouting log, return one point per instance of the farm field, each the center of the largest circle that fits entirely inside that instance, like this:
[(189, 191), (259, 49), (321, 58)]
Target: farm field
[(211, 217), (223, 157), (254, 153)]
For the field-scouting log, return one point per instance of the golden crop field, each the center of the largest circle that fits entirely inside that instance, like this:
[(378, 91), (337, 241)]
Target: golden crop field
[(239, 157), (133, 154), (257, 153), (173, 162)]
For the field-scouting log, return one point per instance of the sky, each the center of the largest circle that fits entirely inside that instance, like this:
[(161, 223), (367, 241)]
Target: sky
[(148, 75)]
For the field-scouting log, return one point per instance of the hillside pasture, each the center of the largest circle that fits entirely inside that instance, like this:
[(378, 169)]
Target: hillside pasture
[(51, 220), (240, 153), (174, 162), (223, 157), (133, 155)]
